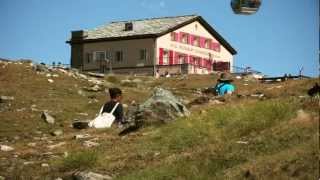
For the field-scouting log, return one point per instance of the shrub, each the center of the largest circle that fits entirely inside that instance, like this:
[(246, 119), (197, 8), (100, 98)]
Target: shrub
[(80, 160), (113, 79)]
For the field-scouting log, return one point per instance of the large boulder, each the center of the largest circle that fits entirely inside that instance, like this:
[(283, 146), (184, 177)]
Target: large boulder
[(162, 106)]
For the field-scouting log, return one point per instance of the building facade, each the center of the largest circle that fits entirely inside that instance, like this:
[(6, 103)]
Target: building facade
[(175, 45)]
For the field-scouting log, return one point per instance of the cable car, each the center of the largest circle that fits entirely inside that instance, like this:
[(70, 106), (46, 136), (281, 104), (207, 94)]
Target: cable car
[(245, 7)]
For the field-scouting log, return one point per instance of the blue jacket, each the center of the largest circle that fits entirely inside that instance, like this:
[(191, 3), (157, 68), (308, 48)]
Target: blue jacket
[(223, 88)]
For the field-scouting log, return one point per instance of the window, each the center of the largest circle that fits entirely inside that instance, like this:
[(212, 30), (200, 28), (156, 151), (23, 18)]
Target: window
[(119, 56), (196, 41), (184, 38), (88, 58), (207, 43), (173, 36), (165, 57), (99, 55), (182, 59), (108, 55), (143, 54)]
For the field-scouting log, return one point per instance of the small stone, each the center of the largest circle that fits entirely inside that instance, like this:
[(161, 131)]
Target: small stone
[(83, 114), (32, 144), (6, 148), (137, 81), (16, 138), (44, 165), (99, 75), (2, 178), (55, 75), (81, 93), (50, 80), (56, 145), (48, 75), (94, 88), (90, 144), (47, 117), (28, 162), (58, 132), (90, 176), (80, 124), (65, 154), (242, 142), (58, 178), (22, 109), (6, 98), (82, 136)]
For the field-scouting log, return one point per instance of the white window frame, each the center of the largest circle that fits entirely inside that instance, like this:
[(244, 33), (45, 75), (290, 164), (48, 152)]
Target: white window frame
[(207, 43), (120, 57), (165, 57), (95, 56), (145, 55)]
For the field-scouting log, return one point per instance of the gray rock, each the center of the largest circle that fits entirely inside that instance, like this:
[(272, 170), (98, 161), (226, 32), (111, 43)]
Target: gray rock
[(40, 67), (2, 178), (81, 93), (138, 81), (94, 88), (28, 162), (90, 176), (99, 75), (6, 98), (162, 106), (77, 124), (58, 132), (6, 148), (90, 144), (44, 165), (82, 136), (47, 117), (56, 145), (128, 83)]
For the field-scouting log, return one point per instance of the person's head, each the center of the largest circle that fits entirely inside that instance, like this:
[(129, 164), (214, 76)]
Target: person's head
[(225, 78), (115, 94)]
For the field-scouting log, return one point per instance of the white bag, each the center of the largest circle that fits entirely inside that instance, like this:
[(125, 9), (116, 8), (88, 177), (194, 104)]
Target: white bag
[(103, 120)]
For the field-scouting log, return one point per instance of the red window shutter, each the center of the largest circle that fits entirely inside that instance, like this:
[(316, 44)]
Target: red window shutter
[(180, 36), (176, 37), (212, 46), (176, 58), (190, 39), (170, 57), (215, 46), (202, 62), (160, 56), (202, 42)]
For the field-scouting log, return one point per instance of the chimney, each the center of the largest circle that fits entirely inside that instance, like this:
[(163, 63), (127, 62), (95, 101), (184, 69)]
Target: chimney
[(78, 35), (128, 26)]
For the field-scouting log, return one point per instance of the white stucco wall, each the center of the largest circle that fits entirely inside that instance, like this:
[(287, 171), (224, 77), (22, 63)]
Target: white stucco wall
[(194, 28)]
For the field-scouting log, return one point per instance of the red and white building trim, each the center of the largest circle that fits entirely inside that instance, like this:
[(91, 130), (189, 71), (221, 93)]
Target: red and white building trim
[(191, 49)]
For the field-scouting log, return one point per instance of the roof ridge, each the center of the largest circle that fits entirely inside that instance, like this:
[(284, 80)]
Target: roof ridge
[(164, 17)]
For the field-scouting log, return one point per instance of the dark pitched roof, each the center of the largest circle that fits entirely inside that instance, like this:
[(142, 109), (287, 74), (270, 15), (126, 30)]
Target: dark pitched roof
[(147, 28)]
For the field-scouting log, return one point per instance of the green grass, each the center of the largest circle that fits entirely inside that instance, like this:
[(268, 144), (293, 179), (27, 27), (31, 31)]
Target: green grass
[(80, 160), (205, 146)]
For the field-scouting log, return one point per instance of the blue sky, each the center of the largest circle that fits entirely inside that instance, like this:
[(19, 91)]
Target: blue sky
[(282, 37)]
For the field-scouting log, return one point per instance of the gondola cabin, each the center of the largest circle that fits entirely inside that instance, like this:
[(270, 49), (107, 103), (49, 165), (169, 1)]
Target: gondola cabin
[(246, 7)]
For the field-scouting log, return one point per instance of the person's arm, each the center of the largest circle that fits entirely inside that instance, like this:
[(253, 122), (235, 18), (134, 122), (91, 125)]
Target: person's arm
[(119, 113)]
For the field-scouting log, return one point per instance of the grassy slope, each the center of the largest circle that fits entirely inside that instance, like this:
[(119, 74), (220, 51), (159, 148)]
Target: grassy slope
[(280, 143)]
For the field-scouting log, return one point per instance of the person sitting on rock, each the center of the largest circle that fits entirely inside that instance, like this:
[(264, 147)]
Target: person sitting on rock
[(224, 85), (115, 97)]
